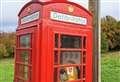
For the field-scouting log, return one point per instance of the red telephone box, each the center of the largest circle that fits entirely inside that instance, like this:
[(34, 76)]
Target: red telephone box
[(54, 42)]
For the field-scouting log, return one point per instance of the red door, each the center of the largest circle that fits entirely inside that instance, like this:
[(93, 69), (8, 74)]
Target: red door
[(24, 55), (71, 55)]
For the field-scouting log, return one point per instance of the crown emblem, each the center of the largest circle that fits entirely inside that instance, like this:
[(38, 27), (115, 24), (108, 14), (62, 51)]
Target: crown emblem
[(71, 9)]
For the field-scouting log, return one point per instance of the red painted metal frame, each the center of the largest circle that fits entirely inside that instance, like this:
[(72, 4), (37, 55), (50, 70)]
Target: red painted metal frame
[(43, 31)]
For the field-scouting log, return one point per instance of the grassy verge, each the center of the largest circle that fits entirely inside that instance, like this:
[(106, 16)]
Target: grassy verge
[(110, 67), (6, 70)]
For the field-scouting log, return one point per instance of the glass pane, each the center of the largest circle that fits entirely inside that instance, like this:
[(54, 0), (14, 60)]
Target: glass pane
[(25, 57), (30, 74), (30, 58), (20, 71), (19, 80), (55, 57), (56, 40), (84, 57), (25, 41), (23, 71), (55, 75), (84, 71), (26, 72), (69, 73), (84, 81), (84, 42), (70, 57), (70, 41)]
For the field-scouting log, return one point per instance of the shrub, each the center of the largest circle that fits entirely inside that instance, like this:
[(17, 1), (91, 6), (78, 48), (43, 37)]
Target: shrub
[(104, 43), (3, 51)]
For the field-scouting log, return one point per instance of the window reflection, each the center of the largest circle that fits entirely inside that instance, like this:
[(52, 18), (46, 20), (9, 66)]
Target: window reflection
[(55, 74), (55, 57), (25, 41), (70, 57), (23, 71), (30, 74), (84, 81), (84, 42), (56, 40), (25, 57), (70, 41), (19, 80), (84, 57), (84, 71)]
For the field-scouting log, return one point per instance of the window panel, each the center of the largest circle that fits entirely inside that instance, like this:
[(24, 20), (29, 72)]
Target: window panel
[(19, 80), (55, 57), (26, 72), (23, 71), (25, 41), (25, 57), (70, 57), (55, 74), (56, 40), (84, 71), (30, 58), (70, 41), (84, 81), (30, 74), (84, 42), (84, 57), (20, 69)]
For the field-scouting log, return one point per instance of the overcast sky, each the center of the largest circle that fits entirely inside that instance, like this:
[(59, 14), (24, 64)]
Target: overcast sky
[(9, 10)]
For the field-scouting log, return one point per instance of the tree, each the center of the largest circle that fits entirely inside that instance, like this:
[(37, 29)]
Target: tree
[(3, 51), (104, 43), (10, 44), (117, 37), (7, 44), (109, 27)]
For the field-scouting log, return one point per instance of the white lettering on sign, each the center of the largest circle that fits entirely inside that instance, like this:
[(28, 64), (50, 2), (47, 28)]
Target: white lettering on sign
[(68, 18), (30, 18)]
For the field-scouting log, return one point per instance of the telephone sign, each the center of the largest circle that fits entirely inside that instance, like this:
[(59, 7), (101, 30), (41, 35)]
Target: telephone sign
[(30, 18), (68, 18)]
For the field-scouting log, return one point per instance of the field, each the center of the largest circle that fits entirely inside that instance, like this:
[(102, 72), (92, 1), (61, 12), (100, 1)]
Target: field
[(110, 64), (110, 67), (6, 70)]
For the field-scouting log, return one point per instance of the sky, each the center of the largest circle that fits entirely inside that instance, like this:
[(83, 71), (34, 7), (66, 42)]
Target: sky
[(9, 10)]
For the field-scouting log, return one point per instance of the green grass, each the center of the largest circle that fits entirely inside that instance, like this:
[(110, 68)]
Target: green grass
[(110, 67), (6, 70)]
